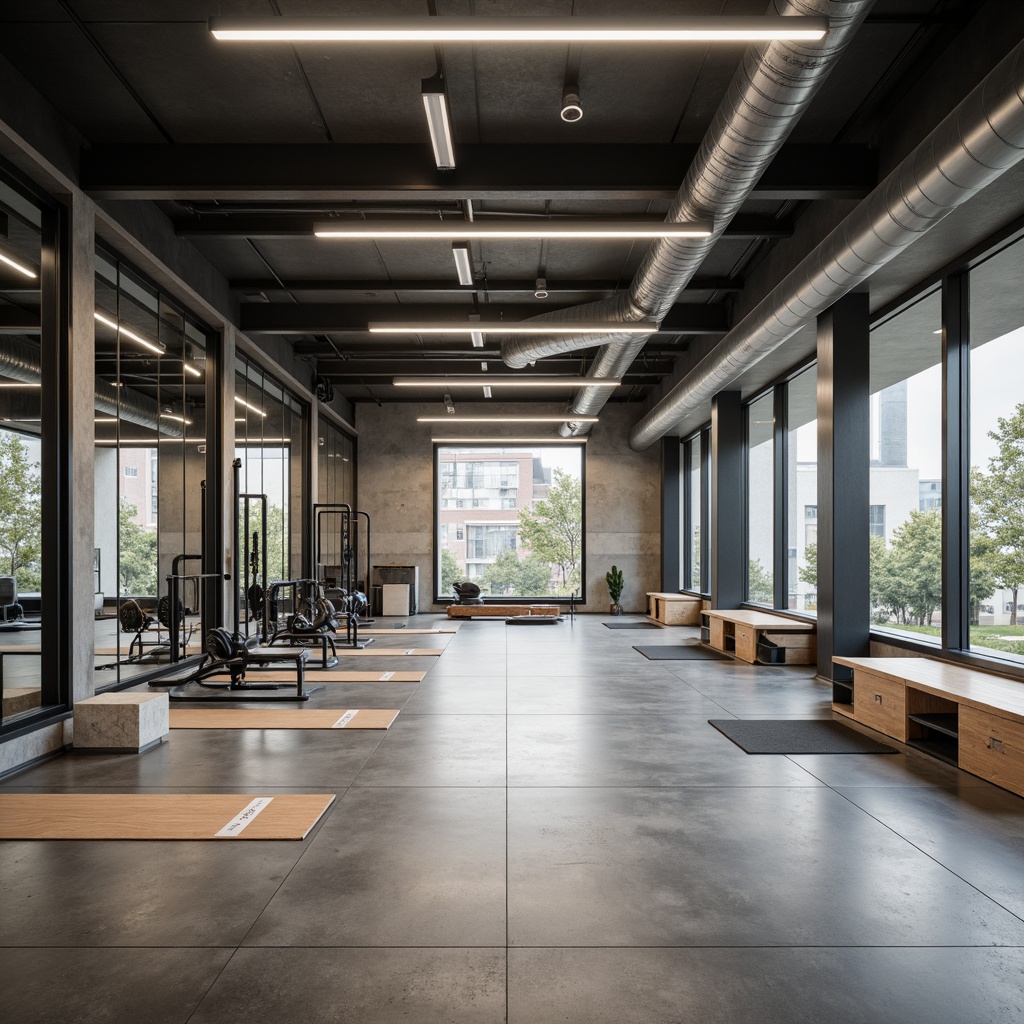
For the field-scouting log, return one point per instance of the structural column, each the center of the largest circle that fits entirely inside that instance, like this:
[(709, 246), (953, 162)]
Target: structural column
[(844, 439), (220, 513), (672, 519), (728, 540)]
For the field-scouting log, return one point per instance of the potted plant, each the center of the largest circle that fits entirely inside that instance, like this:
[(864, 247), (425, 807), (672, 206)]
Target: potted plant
[(614, 580)]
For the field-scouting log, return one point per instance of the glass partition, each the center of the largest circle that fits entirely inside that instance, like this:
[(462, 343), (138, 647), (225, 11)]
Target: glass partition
[(150, 461), (22, 368)]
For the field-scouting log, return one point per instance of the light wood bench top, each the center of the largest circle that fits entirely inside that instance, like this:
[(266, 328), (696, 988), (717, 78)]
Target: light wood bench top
[(672, 597), (762, 620), (964, 685)]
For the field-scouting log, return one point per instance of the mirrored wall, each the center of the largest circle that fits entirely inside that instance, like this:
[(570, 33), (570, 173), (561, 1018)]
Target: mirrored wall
[(150, 429)]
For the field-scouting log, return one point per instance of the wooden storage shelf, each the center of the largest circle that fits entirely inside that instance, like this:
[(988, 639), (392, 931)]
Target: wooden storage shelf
[(674, 609), (970, 719), (760, 638)]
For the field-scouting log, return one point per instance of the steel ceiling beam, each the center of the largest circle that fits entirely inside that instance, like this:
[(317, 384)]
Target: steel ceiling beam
[(251, 225), (322, 318), (389, 172), (451, 288)]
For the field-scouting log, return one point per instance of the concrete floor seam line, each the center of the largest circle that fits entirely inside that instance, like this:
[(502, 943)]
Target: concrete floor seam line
[(306, 847), (210, 987), (925, 853)]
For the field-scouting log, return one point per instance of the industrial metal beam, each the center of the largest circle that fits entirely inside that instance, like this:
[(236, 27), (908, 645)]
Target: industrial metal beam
[(277, 225), (366, 287), (15, 320), (388, 172), (319, 318)]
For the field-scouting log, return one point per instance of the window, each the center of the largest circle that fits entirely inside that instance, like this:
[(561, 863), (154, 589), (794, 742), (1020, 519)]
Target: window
[(906, 447), (131, 470), (760, 500), (693, 548), (876, 520), (801, 489), (996, 447), (526, 534)]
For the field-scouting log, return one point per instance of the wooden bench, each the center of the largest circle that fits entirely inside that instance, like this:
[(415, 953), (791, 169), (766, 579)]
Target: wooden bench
[(968, 718), (499, 611), (760, 637), (673, 609)]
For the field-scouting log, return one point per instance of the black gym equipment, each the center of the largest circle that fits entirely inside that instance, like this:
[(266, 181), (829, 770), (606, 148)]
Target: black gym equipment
[(467, 593), (314, 622), (342, 586)]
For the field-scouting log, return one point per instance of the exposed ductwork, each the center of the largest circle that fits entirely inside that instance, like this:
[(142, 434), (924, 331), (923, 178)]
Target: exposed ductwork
[(20, 361), (767, 96), (979, 140)]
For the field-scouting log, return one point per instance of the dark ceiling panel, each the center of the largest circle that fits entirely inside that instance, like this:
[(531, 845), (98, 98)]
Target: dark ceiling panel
[(62, 64)]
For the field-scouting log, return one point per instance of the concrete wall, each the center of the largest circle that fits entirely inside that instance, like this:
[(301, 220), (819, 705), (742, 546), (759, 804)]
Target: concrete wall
[(395, 485)]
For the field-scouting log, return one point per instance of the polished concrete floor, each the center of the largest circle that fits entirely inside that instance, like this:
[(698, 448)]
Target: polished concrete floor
[(551, 831)]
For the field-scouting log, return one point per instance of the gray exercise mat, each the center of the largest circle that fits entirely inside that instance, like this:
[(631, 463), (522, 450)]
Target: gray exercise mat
[(681, 652), (633, 625), (797, 736)]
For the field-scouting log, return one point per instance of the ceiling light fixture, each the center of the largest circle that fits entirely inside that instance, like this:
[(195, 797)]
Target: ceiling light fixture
[(21, 268), (104, 419), (506, 382), (138, 338), (177, 419), (487, 391), (477, 338), (435, 103), (504, 419), (539, 441), (463, 264), (449, 408), (517, 30), (540, 289), (514, 327), (527, 228), (189, 368), (571, 108), (19, 384), (252, 408)]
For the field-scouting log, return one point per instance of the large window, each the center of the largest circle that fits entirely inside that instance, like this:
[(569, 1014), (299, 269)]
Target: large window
[(802, 491), (335, 484), (995, 596), (150, 460), (906, 456), (510, 519), (760, 500), (270, 441), (694, 540), (23, 367)]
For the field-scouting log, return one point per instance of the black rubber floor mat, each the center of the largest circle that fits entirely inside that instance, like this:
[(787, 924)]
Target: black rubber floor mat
[(797, 736), (681, 652)]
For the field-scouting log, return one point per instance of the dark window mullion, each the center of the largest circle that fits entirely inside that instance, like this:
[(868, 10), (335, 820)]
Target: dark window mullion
[(780, 447)]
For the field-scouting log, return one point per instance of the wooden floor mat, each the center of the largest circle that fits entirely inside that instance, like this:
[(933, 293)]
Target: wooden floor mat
[(160, 815), (391, 652), (393, 631), (281, 718), (328, 675)]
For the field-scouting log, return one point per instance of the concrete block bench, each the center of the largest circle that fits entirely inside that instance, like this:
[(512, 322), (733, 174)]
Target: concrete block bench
[(121, 723)]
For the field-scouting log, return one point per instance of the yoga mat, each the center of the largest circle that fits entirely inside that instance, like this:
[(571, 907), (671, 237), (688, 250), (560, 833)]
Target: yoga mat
[(797, 736), (160, 815), (329, 675), (632, 625), (409, 629), (280, 718), (391, 652), (682, 652)]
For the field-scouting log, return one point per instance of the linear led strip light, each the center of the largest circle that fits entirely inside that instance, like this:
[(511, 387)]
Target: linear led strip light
[(515, 327), (252, 408), (518, 30), (506, 382), (541, 442), (565, 227), (127, 333), (21, 268), (507, 419)]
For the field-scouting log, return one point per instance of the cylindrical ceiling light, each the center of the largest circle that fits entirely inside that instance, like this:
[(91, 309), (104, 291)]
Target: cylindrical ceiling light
[(572, 110)]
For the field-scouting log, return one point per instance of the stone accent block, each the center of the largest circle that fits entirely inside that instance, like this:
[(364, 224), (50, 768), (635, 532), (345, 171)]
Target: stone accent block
[(121, 723)]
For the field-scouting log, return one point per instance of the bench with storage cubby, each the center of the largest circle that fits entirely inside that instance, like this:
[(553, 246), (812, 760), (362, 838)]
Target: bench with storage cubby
[(760, 638), (673, 609), (968, 718)]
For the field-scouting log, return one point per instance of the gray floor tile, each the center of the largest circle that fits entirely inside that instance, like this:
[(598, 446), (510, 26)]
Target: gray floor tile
[(738, 867), (459, 695), (242, 758), (397, 867), (764, 986), (106, 986), (975, 831), (105, 893), (635, 750), (353, 986), (573, 695), (439, 750)]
